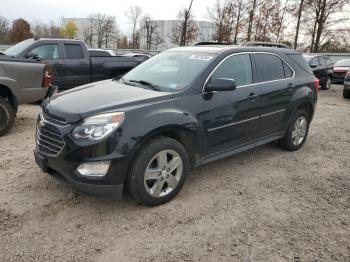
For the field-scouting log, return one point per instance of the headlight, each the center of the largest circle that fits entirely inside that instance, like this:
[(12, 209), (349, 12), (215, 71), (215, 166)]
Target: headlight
[(99, 126)]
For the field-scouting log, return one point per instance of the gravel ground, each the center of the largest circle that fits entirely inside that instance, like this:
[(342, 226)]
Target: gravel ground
[(262, 205)]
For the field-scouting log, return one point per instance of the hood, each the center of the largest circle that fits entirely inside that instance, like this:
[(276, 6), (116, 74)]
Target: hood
[(99, 97)]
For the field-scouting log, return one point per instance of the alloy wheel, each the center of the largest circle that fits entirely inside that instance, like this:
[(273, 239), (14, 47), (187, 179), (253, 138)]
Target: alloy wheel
[(299, 130), (163, 173)]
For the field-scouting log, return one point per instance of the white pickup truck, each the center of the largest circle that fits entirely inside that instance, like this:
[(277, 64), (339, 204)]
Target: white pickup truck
[(21, 81)]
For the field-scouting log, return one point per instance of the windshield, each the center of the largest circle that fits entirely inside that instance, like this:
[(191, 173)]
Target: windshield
[(345, 62), (18, 48), (170, 71)]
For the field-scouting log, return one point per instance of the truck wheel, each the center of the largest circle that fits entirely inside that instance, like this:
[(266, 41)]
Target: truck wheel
[(296, 133), (346, 93), (7, 116), (158, 172)]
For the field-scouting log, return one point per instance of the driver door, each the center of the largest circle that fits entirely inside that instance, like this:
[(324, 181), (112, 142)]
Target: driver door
[(231, 117)]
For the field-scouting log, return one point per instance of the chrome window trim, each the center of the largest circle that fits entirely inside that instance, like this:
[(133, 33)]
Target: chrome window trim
[(242, 53)]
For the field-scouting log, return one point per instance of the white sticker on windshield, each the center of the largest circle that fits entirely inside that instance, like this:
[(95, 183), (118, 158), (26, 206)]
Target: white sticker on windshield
[(201, 57)]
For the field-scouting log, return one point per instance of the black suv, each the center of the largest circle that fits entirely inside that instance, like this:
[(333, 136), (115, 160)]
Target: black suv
[(322, 67), (180, 109)]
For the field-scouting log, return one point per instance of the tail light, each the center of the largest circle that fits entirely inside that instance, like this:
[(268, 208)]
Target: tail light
[(47, 79), (316, 84)]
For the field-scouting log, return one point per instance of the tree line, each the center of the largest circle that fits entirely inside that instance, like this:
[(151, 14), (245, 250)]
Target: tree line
[(307, 25)]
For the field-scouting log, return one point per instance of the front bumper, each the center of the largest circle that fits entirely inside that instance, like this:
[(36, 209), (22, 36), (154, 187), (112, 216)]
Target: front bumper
[(101, 187)]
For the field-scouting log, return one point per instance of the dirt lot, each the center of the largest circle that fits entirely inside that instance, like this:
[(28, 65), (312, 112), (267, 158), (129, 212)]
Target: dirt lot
[(262, 205)]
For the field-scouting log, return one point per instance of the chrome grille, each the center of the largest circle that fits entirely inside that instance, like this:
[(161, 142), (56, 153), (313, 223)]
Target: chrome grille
[(49, 140)]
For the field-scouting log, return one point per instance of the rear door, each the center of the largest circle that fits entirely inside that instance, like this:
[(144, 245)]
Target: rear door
[(230, 118), (77, 65), (277, 85), (53, 54)]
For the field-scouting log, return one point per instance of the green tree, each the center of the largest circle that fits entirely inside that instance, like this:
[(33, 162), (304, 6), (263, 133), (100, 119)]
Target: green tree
[(69, 30)]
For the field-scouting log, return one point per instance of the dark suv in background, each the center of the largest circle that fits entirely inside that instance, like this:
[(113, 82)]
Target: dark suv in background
[(322, 67), (180, 109)]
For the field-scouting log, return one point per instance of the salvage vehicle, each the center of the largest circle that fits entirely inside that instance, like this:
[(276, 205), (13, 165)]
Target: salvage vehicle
[(71, 60), (322, 67), (147, 130), (340, 69), (346, 90), (21, 82)]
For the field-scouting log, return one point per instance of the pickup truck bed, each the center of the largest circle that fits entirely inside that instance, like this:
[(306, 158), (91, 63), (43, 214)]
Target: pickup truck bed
[(72, 63)]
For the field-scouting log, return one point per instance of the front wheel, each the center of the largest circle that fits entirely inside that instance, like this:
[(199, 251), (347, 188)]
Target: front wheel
[(158, 172), (7, 116), (297, 131)]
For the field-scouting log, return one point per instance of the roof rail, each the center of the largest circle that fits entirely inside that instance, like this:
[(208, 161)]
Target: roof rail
[(267, 44), (210, 43)]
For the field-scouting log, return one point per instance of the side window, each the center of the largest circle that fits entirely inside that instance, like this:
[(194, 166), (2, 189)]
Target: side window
[(49, 51), (270, 67), (287, 71), (321, 61), (73, 51), (237, 67)]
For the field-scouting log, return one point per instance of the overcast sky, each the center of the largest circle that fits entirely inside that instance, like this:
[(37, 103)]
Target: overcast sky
[(52, 10), (46, 10)]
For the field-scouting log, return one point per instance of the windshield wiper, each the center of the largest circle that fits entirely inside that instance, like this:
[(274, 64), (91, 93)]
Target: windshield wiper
[(146, 83)]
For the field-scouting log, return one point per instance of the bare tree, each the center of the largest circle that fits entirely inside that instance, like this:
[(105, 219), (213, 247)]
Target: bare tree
[(4, 29), (134, 14), (88, 30), (185, 30), (217, 15), (299, 13), (150, 30), (110, 30), (322, 11), (251, 19)]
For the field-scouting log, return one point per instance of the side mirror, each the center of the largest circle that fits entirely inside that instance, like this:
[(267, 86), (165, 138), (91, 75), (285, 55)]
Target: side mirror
[(221, 84), (32, 55), (313, 65)]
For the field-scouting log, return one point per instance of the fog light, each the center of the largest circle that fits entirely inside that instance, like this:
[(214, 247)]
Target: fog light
[(97, 169)]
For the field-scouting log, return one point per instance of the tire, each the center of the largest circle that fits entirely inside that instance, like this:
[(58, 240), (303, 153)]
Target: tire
[(346, 93), (328, 83), (7, 116), (290, 141), (162, 182)]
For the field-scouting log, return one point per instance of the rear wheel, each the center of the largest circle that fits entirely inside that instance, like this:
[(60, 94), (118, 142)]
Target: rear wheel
[(7, 116), (346, 93), (297, 132), (158, 172)]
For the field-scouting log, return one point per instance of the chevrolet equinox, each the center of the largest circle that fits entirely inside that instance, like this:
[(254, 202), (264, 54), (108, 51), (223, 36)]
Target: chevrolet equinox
[(144, 132)]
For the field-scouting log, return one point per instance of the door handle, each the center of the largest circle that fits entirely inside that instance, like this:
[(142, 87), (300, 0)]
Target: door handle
[(83, 63), (252, 97)]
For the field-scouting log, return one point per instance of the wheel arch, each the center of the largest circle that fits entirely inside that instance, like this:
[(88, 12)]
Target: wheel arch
[(7, 93)]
